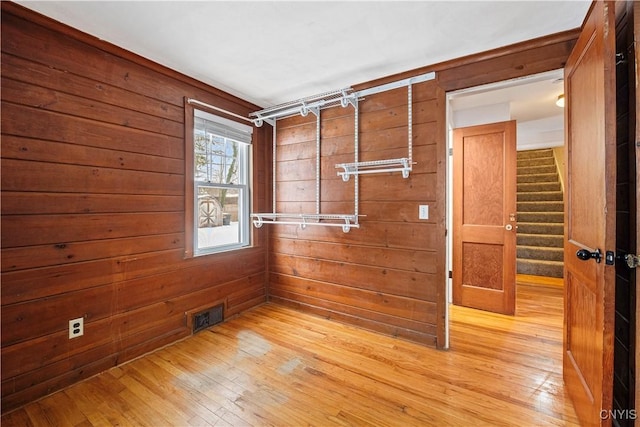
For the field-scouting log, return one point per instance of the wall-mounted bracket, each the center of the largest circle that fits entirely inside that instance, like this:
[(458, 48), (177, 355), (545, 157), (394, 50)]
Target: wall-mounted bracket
[(348, 99), (262, 120), (315, 109)]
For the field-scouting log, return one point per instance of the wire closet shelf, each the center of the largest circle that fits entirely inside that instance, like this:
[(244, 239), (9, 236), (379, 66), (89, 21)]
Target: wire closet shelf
[(314, 104)]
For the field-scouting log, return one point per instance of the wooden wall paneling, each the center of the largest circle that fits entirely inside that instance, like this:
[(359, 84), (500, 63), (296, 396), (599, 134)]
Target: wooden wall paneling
[(122, 276), (29, 257), (375, 210), (262, 178), (383, 275), (63, 178), (375, 187), (384, 257), (356, 317), (75, 130), (28, 149), (93, 208), (396, 282), (385, 323), (102, 327), (530, 60), (526, 58), (402, 307), (27, 71), (132, 328), (79, 106), (46, 229), (131, 319), (36, 202)]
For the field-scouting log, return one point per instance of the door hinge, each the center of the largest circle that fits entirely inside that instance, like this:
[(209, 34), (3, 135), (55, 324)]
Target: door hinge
[(631, 260)]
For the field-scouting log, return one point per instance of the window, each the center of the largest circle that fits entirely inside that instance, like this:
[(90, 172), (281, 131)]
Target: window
[(220, 151)]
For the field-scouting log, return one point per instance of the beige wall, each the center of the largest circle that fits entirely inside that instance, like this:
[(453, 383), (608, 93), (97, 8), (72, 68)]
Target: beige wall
[(558, 153)]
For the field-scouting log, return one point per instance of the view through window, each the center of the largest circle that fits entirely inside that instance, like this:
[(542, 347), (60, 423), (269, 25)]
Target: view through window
[(221, 189)]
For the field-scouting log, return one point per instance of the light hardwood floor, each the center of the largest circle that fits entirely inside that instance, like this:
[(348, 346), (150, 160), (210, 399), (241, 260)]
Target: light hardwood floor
[(275, 366)]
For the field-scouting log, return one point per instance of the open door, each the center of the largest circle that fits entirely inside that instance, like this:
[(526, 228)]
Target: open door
[(484, 217), (590, 228)]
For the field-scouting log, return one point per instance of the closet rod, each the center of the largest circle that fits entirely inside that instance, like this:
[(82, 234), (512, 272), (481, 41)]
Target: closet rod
[(342, 97), (334, 94), (301, 109), (222, 110)]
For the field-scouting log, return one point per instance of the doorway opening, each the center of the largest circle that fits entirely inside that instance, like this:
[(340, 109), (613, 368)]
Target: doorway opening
[(531, 101)]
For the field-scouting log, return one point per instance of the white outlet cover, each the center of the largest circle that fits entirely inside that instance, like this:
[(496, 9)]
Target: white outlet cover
[(423, 212), (76, 327)]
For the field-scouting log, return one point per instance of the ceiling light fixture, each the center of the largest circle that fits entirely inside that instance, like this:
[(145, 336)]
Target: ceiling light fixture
[(560, 100)]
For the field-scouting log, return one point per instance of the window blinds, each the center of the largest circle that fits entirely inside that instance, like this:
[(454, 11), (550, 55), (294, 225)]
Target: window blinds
[(222, 127)]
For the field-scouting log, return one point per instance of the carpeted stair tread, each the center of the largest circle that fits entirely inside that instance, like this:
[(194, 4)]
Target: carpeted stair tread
[(545, 240), (535, 170), (540, 267), (540, 228), (535, 162), (541, 217), (529, 196), (534, 154), (539, 186), (541, 253), (538, 177), (540, 206)]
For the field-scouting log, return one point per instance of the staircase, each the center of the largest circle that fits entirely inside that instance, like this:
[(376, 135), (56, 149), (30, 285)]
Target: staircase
[(540, 236)]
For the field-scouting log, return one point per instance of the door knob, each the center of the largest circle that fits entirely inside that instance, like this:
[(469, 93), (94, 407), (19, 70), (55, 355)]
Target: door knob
[(585, 255), (508, 227), (631, 260)]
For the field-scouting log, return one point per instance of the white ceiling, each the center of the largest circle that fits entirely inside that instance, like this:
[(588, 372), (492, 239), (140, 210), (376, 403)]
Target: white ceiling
[(270, 52), (531, 101)]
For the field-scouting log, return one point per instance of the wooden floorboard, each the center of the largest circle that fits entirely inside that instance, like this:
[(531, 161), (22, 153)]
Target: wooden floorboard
[(276, 366)]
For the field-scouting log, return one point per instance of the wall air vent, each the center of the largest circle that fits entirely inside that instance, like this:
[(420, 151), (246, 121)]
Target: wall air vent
[(209, 317)]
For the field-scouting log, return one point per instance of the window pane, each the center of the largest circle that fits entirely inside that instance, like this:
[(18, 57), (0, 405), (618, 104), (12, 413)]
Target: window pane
[(216, 158), (218, 212)]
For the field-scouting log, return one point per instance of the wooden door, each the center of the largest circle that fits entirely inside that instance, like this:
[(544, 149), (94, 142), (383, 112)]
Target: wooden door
[(484, 217), (590, 216)]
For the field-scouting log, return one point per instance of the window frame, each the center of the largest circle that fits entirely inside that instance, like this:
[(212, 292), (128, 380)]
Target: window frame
[(191, 186)]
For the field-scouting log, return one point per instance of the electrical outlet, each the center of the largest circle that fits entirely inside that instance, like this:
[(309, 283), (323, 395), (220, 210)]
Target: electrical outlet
[(423, 212), (76, 327)]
